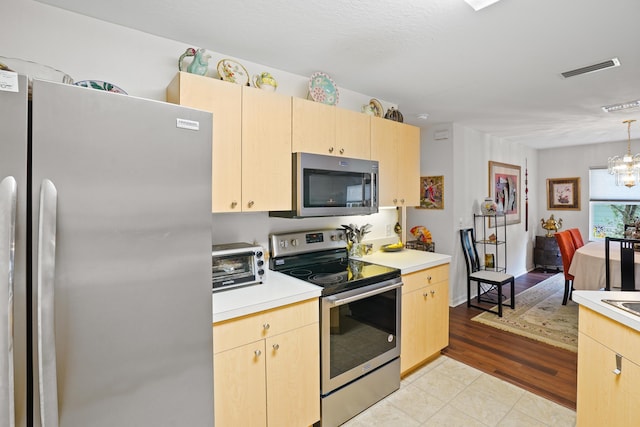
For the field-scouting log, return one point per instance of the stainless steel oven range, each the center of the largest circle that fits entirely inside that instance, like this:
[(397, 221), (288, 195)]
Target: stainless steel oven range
[(359, 319)]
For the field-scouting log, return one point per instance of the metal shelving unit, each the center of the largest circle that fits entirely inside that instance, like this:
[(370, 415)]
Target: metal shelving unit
[(491, 241)]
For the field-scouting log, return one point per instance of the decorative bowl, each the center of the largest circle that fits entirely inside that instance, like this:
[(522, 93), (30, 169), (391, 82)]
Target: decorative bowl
[(33, 70)]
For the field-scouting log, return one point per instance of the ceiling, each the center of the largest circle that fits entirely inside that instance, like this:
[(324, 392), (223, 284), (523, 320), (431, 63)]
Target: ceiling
[(496, 70)]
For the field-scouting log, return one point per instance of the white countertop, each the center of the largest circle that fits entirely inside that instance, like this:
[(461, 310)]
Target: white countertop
[(593, 300), (277, 290), (408, 260)]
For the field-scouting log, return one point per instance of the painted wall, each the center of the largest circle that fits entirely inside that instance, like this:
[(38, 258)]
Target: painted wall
[(576, 161), (463, 159), (141, 64)]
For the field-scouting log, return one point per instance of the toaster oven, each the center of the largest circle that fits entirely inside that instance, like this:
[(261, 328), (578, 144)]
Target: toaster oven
[(236, 264)]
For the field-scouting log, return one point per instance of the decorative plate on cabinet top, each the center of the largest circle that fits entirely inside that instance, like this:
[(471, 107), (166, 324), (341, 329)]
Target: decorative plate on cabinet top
[(232, 71), (100, 85), (377, 107), (323, 89)]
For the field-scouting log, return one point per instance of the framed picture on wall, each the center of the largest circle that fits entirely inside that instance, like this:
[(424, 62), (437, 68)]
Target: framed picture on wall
[(504, 189), (432, 192), (563, 193)]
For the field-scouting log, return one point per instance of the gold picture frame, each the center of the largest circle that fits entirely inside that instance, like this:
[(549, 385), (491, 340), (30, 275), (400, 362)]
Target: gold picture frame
[(504, 189), (432, 192), (563, 193)]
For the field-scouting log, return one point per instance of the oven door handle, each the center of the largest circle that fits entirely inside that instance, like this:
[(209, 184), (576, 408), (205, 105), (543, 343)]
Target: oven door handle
[(335, 302)]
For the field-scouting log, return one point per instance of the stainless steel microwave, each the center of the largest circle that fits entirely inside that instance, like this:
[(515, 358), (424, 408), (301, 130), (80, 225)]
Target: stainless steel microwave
[(332, 186)]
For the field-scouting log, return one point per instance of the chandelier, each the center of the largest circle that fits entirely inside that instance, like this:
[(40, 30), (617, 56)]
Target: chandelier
[(626, 168)]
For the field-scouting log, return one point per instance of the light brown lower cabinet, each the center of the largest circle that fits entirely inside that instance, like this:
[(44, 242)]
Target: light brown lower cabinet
[(425, 315), (267, 368), (608, 372)]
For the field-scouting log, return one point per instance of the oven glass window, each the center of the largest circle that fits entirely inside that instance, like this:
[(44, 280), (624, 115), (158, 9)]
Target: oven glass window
[(239, 267), (323, 188), (361, 331)]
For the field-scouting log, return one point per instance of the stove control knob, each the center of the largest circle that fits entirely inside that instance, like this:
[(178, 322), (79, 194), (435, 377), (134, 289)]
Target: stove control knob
[(284, 243), (335, 238), (260, 263), (294, 242)]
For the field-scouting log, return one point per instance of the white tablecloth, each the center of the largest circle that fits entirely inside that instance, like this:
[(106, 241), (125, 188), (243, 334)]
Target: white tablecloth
[(588, 267)]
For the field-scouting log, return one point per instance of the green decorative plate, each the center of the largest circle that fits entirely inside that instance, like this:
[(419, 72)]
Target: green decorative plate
[(100, 85)]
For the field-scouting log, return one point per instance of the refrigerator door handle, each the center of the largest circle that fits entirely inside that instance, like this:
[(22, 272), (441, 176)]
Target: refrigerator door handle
[(8, 206), (48, 383)]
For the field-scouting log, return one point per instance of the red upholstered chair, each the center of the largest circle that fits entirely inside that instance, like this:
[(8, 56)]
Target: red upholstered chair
[(567, 249), (576, 237)]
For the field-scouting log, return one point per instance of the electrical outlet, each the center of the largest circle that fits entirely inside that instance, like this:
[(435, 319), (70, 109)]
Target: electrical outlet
[(389, 229)]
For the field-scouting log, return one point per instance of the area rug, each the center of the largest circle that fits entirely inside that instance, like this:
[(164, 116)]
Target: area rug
[(540, 315)]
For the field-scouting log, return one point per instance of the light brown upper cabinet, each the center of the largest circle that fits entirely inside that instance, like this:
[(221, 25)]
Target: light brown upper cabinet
[(329, 130), (266, 150), (224, 100), (251, 147), (396, 146)]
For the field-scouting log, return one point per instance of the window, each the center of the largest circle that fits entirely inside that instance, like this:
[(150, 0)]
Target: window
[(610, 206)]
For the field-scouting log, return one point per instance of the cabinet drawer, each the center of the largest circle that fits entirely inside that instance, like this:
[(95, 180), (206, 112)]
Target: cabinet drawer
[(236, 332), (419, 279), (547, 257), (546, 243), (608, 332)]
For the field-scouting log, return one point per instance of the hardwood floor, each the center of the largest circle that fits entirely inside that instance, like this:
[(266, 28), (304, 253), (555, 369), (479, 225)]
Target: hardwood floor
[(545, 370)]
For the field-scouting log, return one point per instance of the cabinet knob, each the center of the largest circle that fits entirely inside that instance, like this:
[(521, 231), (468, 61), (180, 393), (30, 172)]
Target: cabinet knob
[(276, 346), (425, 294), (234, 204), (402, 201), (331, 149), (429, 279), (250, 204), (395, 201), (433, 292), (342, 151), (257, 353), (266, 326)]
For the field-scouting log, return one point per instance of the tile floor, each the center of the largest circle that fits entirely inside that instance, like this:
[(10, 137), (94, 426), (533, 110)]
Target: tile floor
[(449, 393)]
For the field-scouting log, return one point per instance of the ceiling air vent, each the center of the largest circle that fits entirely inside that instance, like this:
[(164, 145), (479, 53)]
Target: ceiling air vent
[(592, 68)]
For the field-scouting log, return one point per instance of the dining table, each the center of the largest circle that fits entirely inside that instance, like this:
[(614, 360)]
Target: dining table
[(588, 266)]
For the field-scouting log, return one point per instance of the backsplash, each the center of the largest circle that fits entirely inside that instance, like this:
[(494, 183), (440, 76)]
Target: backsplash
[(256, 227)]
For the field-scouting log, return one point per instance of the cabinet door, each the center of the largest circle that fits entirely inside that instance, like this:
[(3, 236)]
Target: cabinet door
[(437, 326), (293, 377), (239, 386), (604, 398), (425, 315), (353, 134), (314, 127), (266, 151), (414, 336), (224, 100), (409, 166), (384, 138)]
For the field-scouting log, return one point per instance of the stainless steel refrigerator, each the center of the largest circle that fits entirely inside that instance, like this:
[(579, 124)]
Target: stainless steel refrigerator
[(105, 260)]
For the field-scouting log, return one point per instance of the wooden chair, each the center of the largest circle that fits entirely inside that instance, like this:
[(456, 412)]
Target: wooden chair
[(576, 236), (492, 279), (567, 249), (627, 263)]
